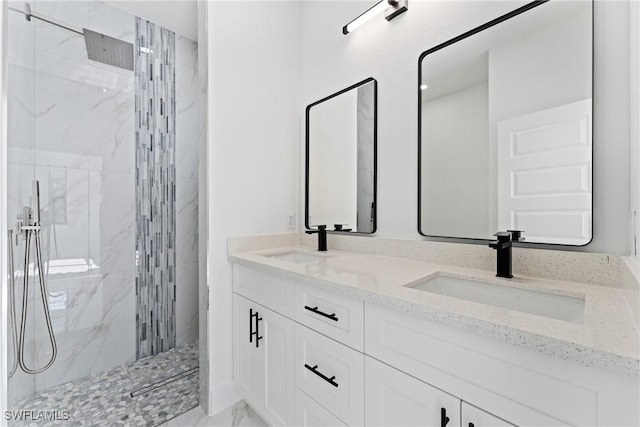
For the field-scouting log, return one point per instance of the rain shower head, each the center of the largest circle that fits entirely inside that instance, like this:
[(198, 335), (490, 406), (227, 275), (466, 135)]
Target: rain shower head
[(108, 50)]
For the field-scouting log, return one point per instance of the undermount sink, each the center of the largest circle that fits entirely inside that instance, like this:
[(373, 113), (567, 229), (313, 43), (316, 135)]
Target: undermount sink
[(296, 257), (561, 307)]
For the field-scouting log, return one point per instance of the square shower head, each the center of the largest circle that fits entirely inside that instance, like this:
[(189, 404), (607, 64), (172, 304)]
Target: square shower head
[(108, 50)]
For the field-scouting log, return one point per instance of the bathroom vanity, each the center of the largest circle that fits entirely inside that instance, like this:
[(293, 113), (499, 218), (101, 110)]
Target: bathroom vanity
[(343, 338)]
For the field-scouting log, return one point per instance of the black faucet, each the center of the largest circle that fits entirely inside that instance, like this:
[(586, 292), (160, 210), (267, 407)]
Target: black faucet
[(503, 245), (322, 237)]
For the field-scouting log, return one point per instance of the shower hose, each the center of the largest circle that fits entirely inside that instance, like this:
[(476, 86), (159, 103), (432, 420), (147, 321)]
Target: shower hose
[(19, 339)]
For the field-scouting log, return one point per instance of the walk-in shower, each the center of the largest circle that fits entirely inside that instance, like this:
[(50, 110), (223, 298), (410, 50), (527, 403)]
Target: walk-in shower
[(102, 114), (100, 48)]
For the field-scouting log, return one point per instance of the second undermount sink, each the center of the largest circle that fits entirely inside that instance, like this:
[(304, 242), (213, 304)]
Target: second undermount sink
[(296, 257), (562, 307)]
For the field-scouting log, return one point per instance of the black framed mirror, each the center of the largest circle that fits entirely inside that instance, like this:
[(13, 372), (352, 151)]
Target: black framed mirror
[(341, 160), (505, 128)]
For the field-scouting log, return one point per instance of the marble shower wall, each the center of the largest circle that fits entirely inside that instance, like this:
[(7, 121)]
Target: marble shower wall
[(186, 191), (72, 127)]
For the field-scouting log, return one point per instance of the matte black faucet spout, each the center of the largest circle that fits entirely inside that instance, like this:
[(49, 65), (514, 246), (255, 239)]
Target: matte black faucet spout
[(503, 245), (322, 237)]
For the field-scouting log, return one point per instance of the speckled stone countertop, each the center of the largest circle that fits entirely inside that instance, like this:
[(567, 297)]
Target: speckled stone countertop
[(607, 338)]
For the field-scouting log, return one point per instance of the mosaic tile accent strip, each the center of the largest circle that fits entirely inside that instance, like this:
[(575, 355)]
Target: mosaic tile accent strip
[(104, 399), (155, 189)]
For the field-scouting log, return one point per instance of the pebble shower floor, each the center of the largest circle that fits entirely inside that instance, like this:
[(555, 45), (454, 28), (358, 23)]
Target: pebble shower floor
[(147, 392)]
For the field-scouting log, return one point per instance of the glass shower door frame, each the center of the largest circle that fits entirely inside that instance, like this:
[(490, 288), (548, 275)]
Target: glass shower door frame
[(3, 211)]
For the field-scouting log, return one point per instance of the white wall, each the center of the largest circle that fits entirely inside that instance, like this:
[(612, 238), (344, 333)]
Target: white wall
[(203, 205), (333, 161), (634, 82), (451, 190), (254, 139), (389, 52), (518, 85)]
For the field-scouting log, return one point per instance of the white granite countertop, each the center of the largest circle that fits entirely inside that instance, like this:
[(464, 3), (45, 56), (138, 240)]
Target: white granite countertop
[(607, 337)]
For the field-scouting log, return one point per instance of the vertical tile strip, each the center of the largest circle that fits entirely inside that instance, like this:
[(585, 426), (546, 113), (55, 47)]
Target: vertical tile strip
[(155, 188)]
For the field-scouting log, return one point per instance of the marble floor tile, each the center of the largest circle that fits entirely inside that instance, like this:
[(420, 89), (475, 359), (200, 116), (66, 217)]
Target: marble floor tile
[(238, 415), (146, 392)]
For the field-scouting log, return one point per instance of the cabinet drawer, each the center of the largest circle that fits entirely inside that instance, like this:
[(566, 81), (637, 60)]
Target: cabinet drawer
[(394, 398), (338, 317), (331, 374), (476, 417), (270, 290), (310, 413)]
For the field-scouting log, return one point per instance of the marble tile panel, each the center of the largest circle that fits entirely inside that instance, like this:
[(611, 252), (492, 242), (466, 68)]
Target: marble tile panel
[(186, 108), (111, 221), (187, 303), (64, 203), (114, 22), (54, 39), (82, 70), (93, 321), (238, 415), (20, 91), (186, 220), (69, 12), (80, 125)]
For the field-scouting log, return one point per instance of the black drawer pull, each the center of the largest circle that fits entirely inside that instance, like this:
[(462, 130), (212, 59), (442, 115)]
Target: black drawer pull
[(471, 425), (316, 311), (258, 337), (321, 375), (251, 316), (443, 417), (251, 331)]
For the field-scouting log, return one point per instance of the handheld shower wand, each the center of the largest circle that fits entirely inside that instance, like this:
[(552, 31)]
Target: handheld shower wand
[(29, 224)]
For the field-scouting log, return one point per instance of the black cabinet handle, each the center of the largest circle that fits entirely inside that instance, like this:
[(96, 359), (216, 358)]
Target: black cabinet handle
[(258, 337), (314, 369), (253, 315), (316, 311), (471, 425), (443, 417)]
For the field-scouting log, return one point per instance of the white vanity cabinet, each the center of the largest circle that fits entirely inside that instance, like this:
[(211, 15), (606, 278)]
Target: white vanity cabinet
[(395, 398), (264, 353), (308, 356), (519, 385)]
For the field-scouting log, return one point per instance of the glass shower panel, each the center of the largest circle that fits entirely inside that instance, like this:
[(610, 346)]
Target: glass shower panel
[(84, 157), (21, 172), (72, 128)]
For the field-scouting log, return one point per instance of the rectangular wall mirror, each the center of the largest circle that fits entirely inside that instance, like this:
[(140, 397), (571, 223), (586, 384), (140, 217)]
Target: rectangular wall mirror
[(341, 160), (505, 128)]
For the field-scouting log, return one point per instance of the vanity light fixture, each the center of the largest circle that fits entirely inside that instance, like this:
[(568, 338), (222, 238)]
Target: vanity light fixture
[(392, 8)]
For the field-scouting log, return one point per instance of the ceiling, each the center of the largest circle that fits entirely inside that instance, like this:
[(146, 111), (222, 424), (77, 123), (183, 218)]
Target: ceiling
[(179, 16)]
